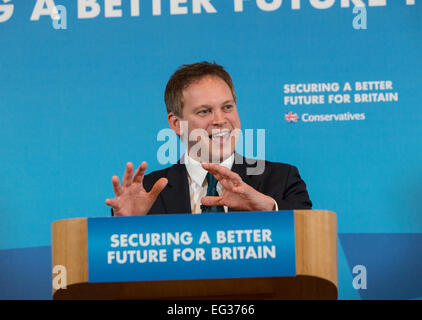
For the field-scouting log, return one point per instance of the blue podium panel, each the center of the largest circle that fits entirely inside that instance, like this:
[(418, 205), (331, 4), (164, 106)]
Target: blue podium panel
[(187, 246)]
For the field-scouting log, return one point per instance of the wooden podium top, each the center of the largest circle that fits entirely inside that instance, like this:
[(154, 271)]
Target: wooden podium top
[(316, 268)]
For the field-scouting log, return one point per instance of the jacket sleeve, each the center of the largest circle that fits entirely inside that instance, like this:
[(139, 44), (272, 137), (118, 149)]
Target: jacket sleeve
[(292, 193)]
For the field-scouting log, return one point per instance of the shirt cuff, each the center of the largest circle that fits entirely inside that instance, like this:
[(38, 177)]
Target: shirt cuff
[(275, 208)]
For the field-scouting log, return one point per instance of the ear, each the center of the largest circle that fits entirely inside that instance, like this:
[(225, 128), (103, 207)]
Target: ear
[(174, 122)]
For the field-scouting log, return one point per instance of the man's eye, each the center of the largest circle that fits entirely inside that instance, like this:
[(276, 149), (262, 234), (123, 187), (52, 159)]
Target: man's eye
[(228, 107), (205, 111)]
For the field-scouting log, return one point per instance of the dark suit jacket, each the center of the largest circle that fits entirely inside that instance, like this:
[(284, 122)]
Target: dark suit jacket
[(280, 181)]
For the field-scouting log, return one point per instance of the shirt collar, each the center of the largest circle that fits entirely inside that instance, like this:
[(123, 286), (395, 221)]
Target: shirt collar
[(197, 173)]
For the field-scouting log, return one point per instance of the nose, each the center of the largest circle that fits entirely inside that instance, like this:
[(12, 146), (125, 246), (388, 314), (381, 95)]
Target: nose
[(218, 118)]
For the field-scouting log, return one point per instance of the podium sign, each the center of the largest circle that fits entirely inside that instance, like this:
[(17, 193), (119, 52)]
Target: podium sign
[(188, 246)]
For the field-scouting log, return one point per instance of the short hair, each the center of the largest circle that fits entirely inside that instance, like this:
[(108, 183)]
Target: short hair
[(186, 75)]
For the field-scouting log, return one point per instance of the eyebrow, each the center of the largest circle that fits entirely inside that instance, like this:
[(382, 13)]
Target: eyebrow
[(231, 101)]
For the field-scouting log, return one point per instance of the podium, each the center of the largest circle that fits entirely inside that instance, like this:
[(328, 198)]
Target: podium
[(315, 233)]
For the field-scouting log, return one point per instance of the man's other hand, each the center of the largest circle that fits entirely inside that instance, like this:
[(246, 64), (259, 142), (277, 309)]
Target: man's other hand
[(131, 199)]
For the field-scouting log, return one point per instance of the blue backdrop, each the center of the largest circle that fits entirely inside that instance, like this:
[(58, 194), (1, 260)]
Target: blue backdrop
[(78, 103)]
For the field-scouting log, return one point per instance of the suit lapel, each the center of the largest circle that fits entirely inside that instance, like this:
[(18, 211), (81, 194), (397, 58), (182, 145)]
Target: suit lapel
[(176, 195)]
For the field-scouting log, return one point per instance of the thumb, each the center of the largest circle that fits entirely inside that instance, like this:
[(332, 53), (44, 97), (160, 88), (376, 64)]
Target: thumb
[(210, 201), (112, 203), (158, 187)]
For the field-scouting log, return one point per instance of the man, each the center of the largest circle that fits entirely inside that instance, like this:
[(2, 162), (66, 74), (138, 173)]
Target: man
[(211, 177)]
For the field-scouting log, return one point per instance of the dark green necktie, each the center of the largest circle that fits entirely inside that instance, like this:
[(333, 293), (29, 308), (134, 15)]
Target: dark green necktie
[(212, 191)]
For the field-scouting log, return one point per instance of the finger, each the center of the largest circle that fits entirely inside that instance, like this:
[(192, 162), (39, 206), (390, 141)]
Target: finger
[(217, 175), (216, 169), (117, 188), (212, 169), (139, 173), (227, 184), (210, 201), (127, 177), (239, 190), (221, 172), (158, 187), (112, 203)]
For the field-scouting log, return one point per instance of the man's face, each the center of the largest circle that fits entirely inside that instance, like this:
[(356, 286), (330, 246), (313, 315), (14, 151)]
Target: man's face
[(211, 116)]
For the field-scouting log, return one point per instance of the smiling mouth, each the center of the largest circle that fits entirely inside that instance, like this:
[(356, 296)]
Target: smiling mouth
[(220, 136)]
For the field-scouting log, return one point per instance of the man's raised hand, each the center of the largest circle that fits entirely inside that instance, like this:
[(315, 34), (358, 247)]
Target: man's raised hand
[(131, 199), (237, 194)]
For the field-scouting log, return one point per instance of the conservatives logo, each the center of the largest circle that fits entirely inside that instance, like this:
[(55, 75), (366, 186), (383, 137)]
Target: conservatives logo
[(306, 117), (291, 117)]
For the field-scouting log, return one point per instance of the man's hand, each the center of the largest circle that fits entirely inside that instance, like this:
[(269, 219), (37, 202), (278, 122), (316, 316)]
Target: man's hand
[(131, 197), (236, 193)]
